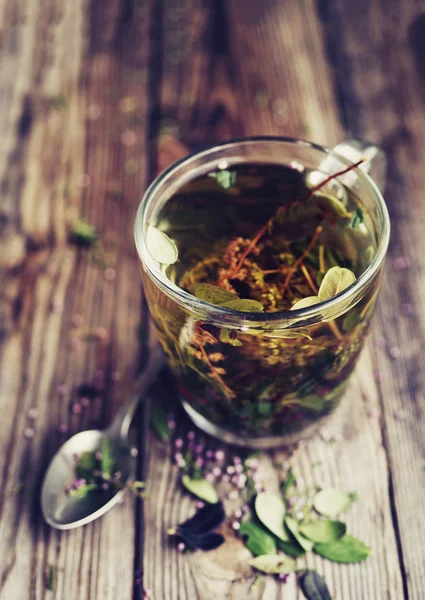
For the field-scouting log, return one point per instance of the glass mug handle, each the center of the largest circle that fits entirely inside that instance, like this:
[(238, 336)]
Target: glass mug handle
[(375, 164)]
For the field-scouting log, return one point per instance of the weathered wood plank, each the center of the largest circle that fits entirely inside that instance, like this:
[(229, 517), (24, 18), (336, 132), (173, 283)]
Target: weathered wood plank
[(269, 73), (73, 92), (380, 77)]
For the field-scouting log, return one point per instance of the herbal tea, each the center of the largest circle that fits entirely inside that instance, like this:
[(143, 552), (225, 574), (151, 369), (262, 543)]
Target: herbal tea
[(262, 238)]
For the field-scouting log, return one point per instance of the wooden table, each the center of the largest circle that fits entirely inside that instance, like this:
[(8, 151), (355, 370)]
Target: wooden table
[(96, 97)]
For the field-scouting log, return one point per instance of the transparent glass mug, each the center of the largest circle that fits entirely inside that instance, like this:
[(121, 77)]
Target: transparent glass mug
[(286, 385)]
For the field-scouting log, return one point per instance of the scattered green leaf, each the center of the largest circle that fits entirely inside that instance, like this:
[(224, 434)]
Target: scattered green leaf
[(336, 280), (314, 587), (243, 305), (160, 246), (213, 294), (224, 178), (270, 509), (83, 491), (159, 423), (323, 530), (51, 579), (346, 550), (273, 564), (201, 488), (332, 502), (59, 102), (291, 548), (83, 234), (258, 540), (292, 525)]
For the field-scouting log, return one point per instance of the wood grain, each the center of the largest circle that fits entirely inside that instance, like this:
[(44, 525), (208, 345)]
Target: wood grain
[(95, 99), (73, 89), (267, 83)]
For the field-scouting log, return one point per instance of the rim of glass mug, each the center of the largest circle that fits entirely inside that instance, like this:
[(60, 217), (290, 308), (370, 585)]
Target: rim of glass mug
[(232, 318)]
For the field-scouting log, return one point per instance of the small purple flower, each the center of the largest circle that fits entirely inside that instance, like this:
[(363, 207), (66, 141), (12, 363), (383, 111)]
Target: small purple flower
[(199, 449), (399, 414), (236, 525), (76, 320), (217, 471), (62, 389), (283, 577), (191, 435), (171, 424), (29, 433), (200, 504), (76, 408), (230, 470), (100, 374), (32, 414), (233, 495), (394, 352), (105, 485), (63, 428), (109, 274), (116, 376), (219, 455), (134, 452), (210, 477), (401, 263), (237, 514), (373, 413), (241, 481), (209, 453), (252, 463), (239, 468), (178, 443), (117, 475), (98, 455), (199, 462), (236, 460), (181, 547), (84, 401)]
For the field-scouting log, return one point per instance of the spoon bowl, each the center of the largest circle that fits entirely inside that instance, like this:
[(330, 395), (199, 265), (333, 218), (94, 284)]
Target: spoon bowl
[(62, 510)]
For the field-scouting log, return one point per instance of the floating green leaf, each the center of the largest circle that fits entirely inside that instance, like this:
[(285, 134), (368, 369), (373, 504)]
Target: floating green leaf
[(270, 509), (229, 336), (224, 178), (314, 587), (336, 280), (291, 548), (323, 530), (346, 550), (357, 218), (273, 564), (258, 540), (289, 333), (213, 294), (329, 202), (160, 246), (332, 502), (292, 525), (86, 465), (243, 305), (313, 402), (201, 488), (107, 464), (159, 423), (306, 302)]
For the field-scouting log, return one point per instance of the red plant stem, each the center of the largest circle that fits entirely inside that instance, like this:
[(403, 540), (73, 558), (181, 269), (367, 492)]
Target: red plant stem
[(299, 260), (263, 229)]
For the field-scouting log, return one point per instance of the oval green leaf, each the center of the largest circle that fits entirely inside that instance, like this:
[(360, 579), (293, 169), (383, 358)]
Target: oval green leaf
[(314, 587), (270, 509), (328, 202), (213, 294), (291, 548), (292, 525), (273, 564), (258, 541), (160, 246), (201, 488), (323, 530), (332, 502), (243, 305), (346, 550), (336, 280), (306, 302)]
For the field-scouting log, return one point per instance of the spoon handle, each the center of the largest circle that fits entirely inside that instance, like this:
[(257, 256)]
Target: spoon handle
[(119, 427)]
